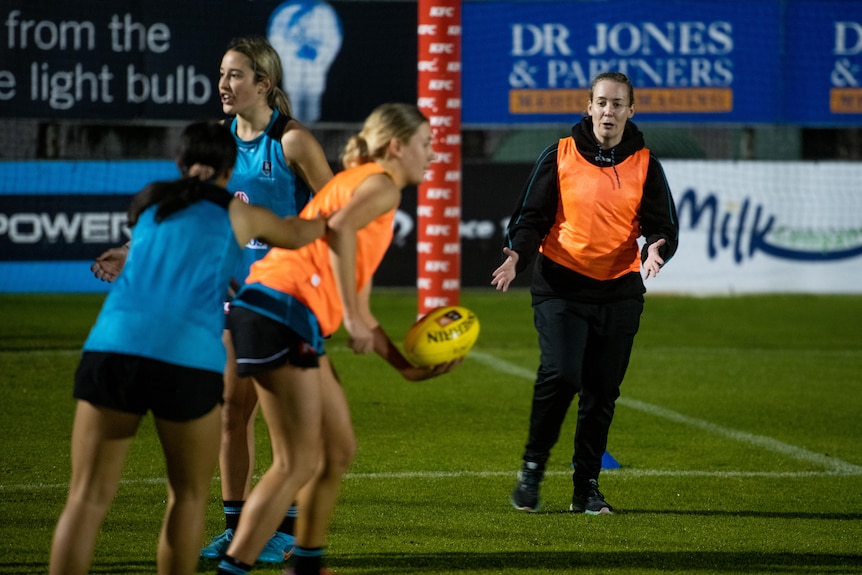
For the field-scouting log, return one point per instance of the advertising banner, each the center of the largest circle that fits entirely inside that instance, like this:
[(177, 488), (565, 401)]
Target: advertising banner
[(823, 63), (745, 227), (159, 59), (689, 61), (56, 217), (109, 60), (438, 273), (750, 227), (704, 61)]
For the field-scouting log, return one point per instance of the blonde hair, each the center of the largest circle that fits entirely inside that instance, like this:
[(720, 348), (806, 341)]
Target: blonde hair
[(265, 64), (386, 122)]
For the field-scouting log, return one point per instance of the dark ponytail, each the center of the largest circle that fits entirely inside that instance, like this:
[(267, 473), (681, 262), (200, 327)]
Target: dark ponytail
[(206, 149)]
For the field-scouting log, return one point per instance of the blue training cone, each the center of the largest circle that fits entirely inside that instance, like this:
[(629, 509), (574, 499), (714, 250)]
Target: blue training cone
[(608, 461)]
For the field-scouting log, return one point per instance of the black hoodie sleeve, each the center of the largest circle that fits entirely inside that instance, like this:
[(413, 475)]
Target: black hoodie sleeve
[(536, 209), (658, 212)]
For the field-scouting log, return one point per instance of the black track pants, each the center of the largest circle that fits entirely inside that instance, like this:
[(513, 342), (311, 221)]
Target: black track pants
[(585, 350)]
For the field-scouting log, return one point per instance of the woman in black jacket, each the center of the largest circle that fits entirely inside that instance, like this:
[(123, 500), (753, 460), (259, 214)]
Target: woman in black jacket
[(589, 198)]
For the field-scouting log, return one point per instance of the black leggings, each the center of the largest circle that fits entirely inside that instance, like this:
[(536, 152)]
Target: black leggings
[(585, 350)]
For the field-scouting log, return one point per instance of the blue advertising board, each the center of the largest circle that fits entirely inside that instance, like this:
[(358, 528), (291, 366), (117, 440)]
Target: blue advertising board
[(56, 217), (690, 61), (823, 63)]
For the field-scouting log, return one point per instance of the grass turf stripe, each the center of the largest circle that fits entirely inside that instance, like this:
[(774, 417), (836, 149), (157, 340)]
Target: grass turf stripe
[(832, 464)]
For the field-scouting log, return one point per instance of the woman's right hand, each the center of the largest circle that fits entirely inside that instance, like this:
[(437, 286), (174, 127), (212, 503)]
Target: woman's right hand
[(108, 266)]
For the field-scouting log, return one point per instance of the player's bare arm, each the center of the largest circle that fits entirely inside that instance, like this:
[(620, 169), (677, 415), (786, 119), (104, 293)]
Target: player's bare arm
[(257, 222), (373, 198), (305, 156)]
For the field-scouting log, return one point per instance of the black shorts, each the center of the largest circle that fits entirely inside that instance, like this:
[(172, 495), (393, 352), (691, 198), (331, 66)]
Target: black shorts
[(136, 384), (262, 344)]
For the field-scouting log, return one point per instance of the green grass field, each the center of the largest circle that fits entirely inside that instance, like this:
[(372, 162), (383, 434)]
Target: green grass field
[(738, 433)]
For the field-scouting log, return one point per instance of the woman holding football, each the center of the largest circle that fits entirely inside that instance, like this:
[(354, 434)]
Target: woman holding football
[(291, 302)]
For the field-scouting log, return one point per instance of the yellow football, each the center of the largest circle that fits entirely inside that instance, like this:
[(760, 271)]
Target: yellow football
[(444, 334)]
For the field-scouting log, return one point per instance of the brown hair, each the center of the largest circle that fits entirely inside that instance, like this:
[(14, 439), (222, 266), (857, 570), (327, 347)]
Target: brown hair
[(614, 77)]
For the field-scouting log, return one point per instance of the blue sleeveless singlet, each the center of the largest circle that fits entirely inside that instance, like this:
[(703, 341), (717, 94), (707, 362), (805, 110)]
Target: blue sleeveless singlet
[(167, 303), (262, 178)]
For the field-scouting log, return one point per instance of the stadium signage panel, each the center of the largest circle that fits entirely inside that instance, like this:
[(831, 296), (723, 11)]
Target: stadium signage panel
[(693, 61), (105, 61), (792, 61), (745, 227), (67, 226), (824, 52), (438, 212), (755, 226), (159, 59), (770, 61)]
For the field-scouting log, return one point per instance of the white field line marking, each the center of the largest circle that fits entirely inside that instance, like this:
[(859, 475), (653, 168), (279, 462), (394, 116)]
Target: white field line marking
[(834, 465), (622, 473), (836, 353), (433, 475)]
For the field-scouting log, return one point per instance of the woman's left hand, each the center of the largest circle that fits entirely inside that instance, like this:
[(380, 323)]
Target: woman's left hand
[(653, 263)]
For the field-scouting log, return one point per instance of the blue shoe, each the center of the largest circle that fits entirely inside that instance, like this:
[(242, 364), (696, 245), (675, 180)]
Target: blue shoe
[(218, 545), (278, 548)]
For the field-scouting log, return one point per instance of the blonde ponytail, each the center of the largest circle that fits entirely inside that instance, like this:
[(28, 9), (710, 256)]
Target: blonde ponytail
[(387, 122)]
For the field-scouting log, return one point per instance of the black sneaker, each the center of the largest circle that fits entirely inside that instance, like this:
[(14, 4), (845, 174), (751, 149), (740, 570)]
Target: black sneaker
[(590, 500), (525, 496)]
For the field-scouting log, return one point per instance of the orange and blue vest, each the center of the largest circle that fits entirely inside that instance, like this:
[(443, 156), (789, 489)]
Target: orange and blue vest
[(305, 275)]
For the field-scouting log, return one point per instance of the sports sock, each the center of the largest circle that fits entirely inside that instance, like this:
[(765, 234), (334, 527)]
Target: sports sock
[(232, 509), (288, 522), (231, 566), (307, 560)]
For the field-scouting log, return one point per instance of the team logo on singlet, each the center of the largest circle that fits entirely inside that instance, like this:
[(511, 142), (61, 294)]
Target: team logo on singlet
[(266, 168)]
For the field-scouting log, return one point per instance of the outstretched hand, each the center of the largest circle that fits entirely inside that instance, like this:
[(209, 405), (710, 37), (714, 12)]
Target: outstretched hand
[(653, 263), (504, 275), (108, 266)]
